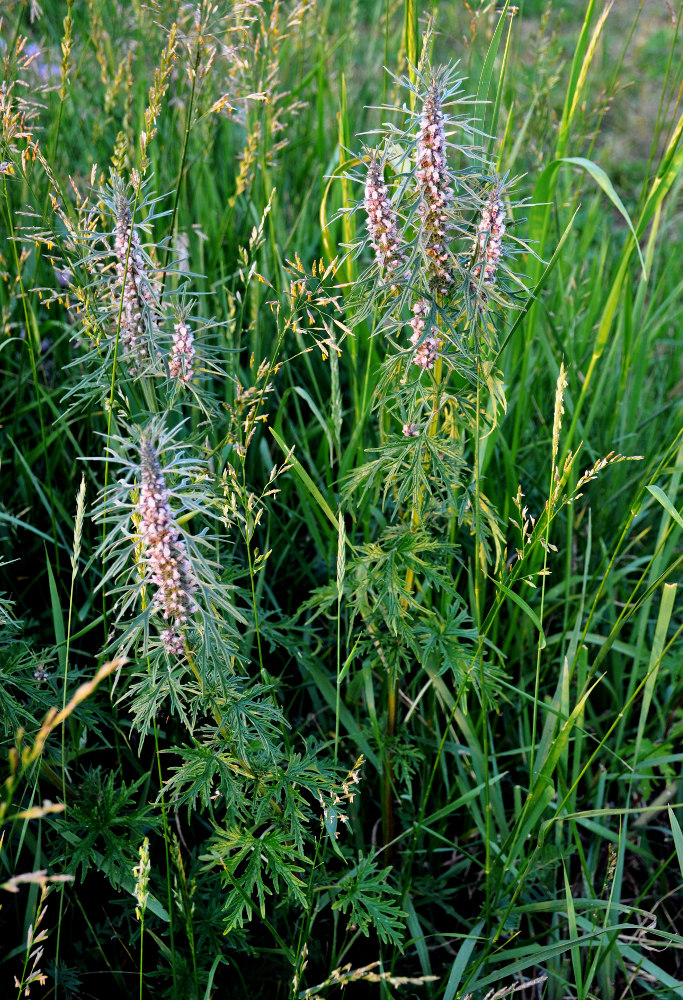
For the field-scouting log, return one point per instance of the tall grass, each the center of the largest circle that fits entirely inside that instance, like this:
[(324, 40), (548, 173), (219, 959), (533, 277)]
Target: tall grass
[(355, 661)]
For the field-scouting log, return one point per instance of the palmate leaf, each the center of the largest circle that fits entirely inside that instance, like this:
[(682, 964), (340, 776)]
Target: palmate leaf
[(428, 466), (365, 894), (246, 715), (207, 769), (451, 643), (169, 686), (301, 788), (248, 860), (379, 575), (104, 826)]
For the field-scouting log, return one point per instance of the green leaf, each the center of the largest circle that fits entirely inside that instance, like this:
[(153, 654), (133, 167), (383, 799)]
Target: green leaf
[(661, 496), (57, 616), (521, 603), (419, 938), (678, 837), (365, 893), (462, 958), (655, 973), (545, 184), (270, 856), (488, 67), (307, 481), (603, 181)]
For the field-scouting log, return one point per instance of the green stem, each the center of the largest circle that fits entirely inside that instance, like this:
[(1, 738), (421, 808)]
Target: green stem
[(110, 413), (183, 157), (338, 698), (393, 694), (478, 602), (29, 342), (142, 939), (74, 571), (169, 892)]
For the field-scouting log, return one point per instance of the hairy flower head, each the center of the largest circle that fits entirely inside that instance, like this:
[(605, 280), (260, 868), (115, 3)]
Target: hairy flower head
[(180, 365)]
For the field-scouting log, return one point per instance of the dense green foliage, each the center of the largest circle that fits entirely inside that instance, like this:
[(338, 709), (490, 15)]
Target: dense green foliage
[(342, 444)]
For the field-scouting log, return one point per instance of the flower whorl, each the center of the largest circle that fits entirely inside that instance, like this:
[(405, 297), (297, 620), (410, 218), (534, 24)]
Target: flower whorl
[(435, 189), (182, 353), (134, 286), (384, 236), (489, 238), (165, 552), (426, 353)]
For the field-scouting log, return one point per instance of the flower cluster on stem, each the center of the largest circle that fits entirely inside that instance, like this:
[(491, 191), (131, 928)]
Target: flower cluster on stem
[(141, 873), (435, 189), (384, 236), (180, 365), (426, 348), (165, 552), (489, 238), (134, 287)]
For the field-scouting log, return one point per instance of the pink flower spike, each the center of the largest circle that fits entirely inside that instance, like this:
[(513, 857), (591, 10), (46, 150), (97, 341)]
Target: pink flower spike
[(164, 550), (435, 189), (133, 285), (489, 238), (384, 236), (426, 352), (182, 353)]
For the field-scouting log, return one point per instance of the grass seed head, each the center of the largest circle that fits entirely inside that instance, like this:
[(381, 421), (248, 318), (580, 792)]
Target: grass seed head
[(141, 874)]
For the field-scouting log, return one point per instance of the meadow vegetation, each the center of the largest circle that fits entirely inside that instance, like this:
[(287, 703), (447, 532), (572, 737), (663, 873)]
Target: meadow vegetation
[(342, 444)]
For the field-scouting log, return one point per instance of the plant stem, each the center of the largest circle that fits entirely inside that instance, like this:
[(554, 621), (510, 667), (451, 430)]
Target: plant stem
[(393, 692), (142, 939), (169, 892)]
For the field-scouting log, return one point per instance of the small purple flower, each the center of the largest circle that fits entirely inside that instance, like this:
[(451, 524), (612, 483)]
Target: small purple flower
[(173, 641), (164, 550), (384, 236), (40, 673), (410, 430)]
